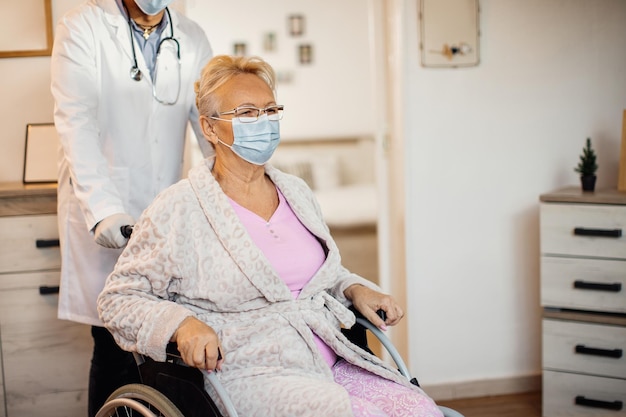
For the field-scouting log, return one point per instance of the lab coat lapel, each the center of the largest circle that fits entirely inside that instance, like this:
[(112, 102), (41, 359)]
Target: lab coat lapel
[(234, 236), (119, 25)]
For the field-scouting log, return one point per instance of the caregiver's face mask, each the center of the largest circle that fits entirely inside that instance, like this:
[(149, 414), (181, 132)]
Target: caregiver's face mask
[(256, 135), (152, 7)]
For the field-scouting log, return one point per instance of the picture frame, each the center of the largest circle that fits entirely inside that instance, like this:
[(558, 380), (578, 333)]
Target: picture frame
[(269, 42), (40, 154), (305, 52), (239, 49), (27, 28), (296, 24), (449, 31)]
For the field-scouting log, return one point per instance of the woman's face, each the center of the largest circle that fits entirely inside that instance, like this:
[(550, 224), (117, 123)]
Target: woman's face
[(241, 90)]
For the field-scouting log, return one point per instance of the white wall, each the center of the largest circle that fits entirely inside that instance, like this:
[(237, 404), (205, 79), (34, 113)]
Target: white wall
[(25, 98), (482, 144), (331, 97)]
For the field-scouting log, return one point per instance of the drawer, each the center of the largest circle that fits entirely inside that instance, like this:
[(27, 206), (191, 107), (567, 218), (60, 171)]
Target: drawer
[(45, 360), (583, 230), (583, 284), (20, 237), (595, 349), (574, 395)]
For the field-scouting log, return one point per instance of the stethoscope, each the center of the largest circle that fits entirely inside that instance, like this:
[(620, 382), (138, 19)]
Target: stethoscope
[(135, 72)]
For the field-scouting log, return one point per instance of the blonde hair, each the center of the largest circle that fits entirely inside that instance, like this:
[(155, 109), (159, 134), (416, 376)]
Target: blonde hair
[(222, 68)]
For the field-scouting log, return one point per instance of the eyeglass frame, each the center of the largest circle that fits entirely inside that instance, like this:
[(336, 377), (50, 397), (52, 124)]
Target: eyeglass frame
[(279, 108)]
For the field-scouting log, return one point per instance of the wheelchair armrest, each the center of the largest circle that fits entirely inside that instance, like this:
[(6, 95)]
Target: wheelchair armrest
[(357, 336), (386, 342)]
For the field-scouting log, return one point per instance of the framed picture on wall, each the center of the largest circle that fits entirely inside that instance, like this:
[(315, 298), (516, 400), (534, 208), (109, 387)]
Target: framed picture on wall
[(296, 25), (305, 52), (40, 153), (26, 28), (239, 49), (269, 42)]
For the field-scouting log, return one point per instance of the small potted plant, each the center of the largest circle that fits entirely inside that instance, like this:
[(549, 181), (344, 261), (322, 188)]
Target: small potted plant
[(587, 167)]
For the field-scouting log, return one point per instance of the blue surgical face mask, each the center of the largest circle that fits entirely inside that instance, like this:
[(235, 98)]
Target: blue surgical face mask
[(255, 142), (152, 7)]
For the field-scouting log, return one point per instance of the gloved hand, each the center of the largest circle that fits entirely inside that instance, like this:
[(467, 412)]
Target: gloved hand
[(108, 233)]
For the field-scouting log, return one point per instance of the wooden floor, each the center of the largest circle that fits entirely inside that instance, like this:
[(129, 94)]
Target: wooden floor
[(517, 405)]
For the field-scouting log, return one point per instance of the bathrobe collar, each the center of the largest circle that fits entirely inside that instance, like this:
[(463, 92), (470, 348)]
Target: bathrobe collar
[(233, 234)]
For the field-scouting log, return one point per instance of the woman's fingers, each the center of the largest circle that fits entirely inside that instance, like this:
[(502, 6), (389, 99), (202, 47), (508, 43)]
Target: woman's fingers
[(212, 354), (368, 302), (203, 353), (394, 314), (198, 344)]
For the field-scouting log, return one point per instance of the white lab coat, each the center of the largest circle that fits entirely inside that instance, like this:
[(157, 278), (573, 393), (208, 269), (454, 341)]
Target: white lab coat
[(120, 147)]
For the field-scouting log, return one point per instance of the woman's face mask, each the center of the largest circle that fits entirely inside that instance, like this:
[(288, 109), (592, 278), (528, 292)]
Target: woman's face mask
[(152, 7), (255, 142)]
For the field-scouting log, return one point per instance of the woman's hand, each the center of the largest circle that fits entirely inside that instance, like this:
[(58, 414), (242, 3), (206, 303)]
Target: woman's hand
[(368, 302), (198, 344)]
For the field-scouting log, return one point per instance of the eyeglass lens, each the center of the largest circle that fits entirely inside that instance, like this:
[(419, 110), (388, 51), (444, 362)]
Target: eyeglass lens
[(251, 114)]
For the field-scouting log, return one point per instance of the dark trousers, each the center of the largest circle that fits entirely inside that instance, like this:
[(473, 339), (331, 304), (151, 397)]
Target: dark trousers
[(111, 368)]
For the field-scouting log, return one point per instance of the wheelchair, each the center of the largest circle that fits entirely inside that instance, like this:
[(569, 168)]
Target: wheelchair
[(173, 389)]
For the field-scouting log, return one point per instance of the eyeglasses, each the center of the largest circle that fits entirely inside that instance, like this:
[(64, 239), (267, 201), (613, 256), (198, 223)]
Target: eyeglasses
[(250, 114), (166, 82)]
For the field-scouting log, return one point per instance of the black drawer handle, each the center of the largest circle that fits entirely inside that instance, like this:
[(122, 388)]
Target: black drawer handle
[(598, 286), (47, 243), (608, 353), (45, 290), (607, 405), (582, 231)]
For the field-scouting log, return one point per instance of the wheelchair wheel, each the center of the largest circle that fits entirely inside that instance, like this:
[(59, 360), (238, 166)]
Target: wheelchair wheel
[(138, 400)]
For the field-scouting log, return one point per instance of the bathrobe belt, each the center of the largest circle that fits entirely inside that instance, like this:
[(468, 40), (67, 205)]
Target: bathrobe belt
[(315, 304), (289, 309)]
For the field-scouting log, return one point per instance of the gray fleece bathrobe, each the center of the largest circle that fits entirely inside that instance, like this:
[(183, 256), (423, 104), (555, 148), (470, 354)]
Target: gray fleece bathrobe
[(191, 256)]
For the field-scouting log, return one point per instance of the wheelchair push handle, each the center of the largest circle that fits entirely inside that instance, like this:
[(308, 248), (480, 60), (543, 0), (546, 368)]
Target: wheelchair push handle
[(126, 230)]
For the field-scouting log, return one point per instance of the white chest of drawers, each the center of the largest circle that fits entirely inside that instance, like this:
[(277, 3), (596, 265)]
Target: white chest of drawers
[(583, 293), (44, 362)]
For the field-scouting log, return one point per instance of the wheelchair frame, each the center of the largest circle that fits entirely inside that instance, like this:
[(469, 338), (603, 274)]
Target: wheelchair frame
[(172, 389)]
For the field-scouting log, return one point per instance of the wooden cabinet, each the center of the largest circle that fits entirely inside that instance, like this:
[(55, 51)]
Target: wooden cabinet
[(583, 293), (45, 361)]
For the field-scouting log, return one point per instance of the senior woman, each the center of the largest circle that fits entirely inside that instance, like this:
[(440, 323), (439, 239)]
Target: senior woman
[(236, 265)]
